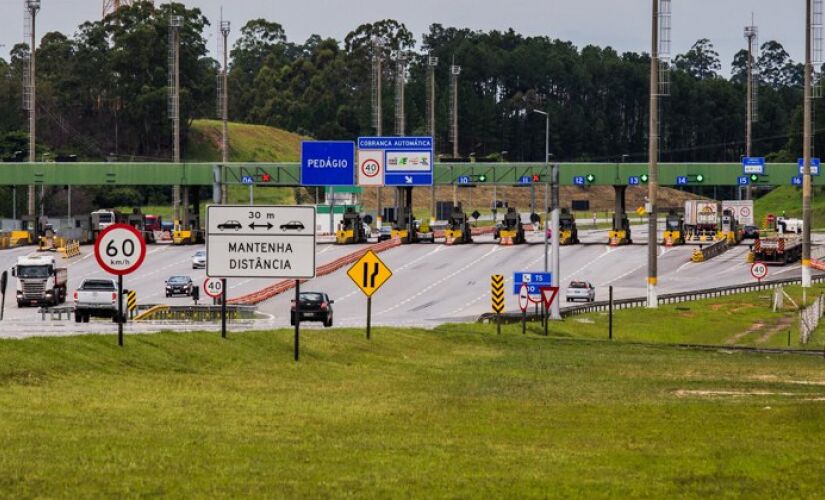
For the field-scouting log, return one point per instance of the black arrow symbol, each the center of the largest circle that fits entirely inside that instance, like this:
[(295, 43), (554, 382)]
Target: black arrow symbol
[(268, 225)]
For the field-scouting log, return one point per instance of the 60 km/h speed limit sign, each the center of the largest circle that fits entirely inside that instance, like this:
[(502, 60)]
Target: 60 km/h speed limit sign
[(120, 249), (759, 270), (213, 287)]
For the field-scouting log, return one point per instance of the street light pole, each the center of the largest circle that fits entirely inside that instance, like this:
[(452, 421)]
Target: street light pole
[(547, 172)]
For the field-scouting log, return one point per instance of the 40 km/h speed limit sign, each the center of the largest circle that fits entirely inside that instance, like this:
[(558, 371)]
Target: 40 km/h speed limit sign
[(120, 249), (759, 270), (213, 287)]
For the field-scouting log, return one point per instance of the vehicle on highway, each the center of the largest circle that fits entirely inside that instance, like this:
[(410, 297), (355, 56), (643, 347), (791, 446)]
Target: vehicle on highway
[(315, 306), (179, 285), (384, 233), (199, 260), (293, 225), (95, 297), (751, 232), (581, 290), (40, 281), (230, 225)]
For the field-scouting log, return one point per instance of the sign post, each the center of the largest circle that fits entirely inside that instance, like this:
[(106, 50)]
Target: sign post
[(369, 273), (759, 270), (497, 295), (119, 250), (4, 280), (260, 241), (214, 288), (523, 303)]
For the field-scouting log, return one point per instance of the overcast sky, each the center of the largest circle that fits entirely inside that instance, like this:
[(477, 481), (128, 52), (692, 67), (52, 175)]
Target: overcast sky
[(621, 24)]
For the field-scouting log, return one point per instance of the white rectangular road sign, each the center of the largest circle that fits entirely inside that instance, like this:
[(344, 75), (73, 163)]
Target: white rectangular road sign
[(370, 167), (260, 241)]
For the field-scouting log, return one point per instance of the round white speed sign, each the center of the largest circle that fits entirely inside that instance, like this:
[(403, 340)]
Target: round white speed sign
[(759, 270), (120, 249), (213, 287)]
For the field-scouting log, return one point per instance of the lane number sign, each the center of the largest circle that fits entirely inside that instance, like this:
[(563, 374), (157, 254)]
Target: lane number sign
[(759, 270), (213, 287), (120, 249)]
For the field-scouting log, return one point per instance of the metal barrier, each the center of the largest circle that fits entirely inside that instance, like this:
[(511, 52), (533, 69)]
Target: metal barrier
[(70, 250), (199, 313), (669, 298), (710, 251)]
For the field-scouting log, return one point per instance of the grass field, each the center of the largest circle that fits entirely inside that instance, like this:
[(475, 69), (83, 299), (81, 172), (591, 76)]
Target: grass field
[(788, 200), (411, 413)]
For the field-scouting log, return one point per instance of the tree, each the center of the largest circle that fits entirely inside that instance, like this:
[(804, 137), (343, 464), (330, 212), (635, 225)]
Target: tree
[(776, 68), (701, 61)]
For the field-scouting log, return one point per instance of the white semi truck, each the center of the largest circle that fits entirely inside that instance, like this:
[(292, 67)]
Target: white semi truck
[(40, 281)]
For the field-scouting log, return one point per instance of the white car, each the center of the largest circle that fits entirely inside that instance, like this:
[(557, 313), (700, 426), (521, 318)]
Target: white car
[(199, 260), (581, 290)]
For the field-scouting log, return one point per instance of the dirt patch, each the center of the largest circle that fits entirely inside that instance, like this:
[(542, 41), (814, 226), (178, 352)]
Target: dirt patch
[(684, 393), (739, 336), (716, 307), (783, 325)]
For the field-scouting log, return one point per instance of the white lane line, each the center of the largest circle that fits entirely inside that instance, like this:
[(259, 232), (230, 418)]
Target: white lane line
[(438, 282)]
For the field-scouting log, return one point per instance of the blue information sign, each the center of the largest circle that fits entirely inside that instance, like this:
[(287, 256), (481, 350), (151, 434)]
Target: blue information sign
[(796, 180), (681, 180), (744, 180), (579, 180), (464, 179), (327, 163), (753, 165), (814, 165), (408, 161), (247, 179), (525, 179), (534, 281), (633, 180)]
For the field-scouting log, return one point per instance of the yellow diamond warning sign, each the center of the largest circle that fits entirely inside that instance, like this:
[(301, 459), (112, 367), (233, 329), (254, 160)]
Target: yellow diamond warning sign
[(369, 273)]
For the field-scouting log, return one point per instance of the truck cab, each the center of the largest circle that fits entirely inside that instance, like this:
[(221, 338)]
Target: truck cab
[(511, 231), (458, 229), (39, 281), (568, 233)]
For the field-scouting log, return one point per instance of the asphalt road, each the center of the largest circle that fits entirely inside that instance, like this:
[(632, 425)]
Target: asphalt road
[(431, 283)]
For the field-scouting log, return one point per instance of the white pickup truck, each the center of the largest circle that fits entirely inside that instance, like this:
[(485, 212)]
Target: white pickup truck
[(95, 297)]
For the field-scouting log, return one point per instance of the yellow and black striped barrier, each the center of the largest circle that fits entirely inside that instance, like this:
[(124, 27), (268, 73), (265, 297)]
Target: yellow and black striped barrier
[(497, 295), (131, 302)]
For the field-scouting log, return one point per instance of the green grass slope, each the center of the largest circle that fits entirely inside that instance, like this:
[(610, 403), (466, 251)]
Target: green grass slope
[(788, 200), (412, 413), (247, 143)]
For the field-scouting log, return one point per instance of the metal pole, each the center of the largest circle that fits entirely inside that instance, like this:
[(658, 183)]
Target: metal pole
[(120, 310), (225, 112), (806, 154), (498, 323), (524, 321), (749, 126), (369, 315), (546, 166), (32, 104), (14, 202), (69, 203), (223, 308), (331, 210), (554, 228), (251, 195), (181, 215), (610, 314), (297, 318), (653, 154)]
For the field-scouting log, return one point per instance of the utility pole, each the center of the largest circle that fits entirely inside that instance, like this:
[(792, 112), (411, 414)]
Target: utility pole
[(175, 23), (752, 89), (30, 93), (454, 72), (377, 115), (810, 33), (432, 62), (223, 108), (400, 57)]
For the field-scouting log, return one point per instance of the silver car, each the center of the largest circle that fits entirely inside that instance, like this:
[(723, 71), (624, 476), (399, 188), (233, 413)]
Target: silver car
[(199, 260), (581, 290)]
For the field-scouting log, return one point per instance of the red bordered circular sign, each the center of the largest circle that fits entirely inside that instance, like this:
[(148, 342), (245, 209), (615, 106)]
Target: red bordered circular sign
[(759, 270), (213, 287), (120, 249)]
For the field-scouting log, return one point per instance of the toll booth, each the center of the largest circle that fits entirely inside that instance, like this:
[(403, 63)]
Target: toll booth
[(351, 230), (568, 233), (404, 226), (729, 229), (458, 228), (511, 230), (620, 234), (674, 230)]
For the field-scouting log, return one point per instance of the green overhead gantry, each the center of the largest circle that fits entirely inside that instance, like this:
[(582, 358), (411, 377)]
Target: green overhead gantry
[(288, 174)]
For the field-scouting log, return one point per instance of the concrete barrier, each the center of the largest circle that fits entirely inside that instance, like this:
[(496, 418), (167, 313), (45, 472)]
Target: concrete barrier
[(710, 251)]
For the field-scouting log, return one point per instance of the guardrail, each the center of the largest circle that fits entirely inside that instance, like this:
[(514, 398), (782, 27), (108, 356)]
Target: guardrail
[(280, 287), (669, 298), (197, 313)]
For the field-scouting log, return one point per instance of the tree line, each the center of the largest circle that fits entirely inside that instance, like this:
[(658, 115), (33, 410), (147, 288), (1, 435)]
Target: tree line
[(102, 91)]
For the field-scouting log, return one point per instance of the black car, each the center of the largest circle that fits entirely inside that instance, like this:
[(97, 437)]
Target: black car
[(751, 232), (230, 224), (293, 225), (315, 306), (179, 285)]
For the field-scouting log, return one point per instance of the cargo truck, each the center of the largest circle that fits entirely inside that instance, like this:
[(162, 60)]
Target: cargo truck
[(40, 281), (702, 218), (778, 249)]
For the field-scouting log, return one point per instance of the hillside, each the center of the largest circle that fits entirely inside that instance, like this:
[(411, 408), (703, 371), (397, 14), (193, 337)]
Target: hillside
[(787, 200), (252, 143)]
